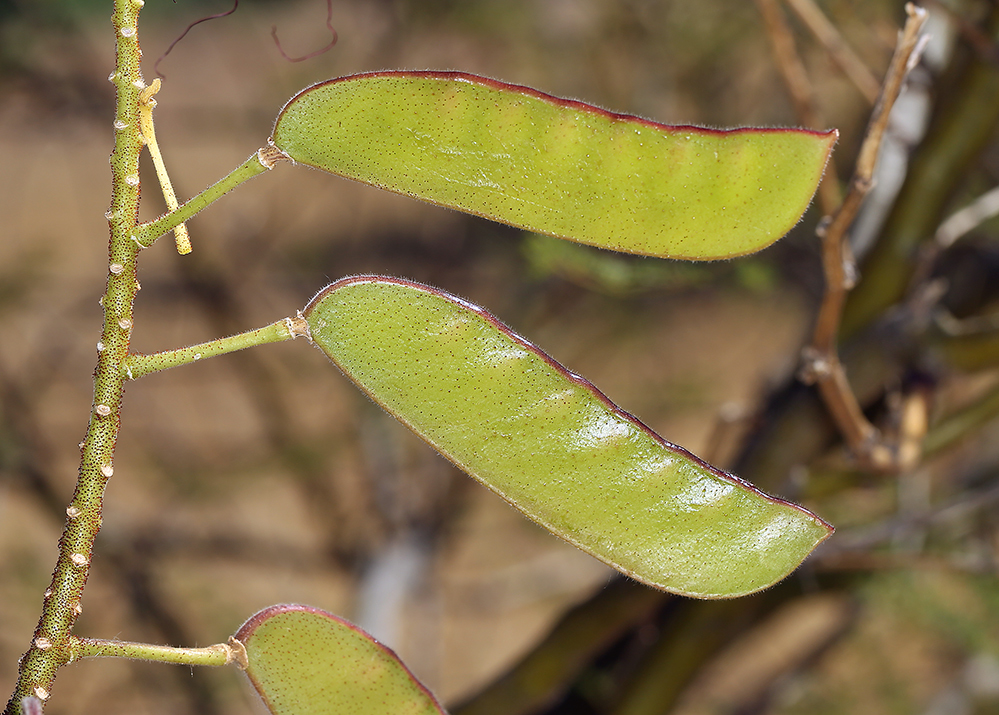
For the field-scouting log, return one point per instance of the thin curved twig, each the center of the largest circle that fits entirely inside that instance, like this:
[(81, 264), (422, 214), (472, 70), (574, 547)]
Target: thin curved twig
[(156, 67), (840, 52), (309, 56), (822, 364)]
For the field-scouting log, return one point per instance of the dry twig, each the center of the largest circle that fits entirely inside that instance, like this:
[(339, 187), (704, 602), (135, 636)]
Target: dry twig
[(842, 54), (822, 360), (968, 219)]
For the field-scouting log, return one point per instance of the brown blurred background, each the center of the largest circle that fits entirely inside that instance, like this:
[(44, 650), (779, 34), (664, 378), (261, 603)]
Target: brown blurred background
[(264, 477)]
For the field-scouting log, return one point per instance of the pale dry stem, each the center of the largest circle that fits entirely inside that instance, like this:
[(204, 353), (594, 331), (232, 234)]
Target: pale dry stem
[(861, 436), (146, 106)]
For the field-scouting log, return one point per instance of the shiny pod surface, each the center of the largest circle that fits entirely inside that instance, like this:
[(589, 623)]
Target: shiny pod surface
[(557, 166), (304, 661), (553, 446)]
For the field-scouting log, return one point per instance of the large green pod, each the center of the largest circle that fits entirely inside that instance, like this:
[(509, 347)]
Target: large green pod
[(553, 446), (557, 166)]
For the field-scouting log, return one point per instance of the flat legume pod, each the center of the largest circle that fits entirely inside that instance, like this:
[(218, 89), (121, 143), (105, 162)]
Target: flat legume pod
[(553, 446), (557, 166)]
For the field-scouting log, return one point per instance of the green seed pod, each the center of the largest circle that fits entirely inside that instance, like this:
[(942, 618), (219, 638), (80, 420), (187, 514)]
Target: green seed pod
[(557, 166), (555, 447), (304, 661)]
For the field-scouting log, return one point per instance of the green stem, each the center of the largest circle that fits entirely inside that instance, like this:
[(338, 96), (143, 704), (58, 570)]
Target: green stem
[(287, 329), (49, 648), (264, 159), (213, 655)]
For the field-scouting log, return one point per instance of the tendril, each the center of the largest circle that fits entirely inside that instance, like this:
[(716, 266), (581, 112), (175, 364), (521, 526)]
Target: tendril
[(327, 48), (156, 67)]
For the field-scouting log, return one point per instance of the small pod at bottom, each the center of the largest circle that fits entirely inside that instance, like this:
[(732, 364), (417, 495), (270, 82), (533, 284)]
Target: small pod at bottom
[(304, 661), (553, 446)]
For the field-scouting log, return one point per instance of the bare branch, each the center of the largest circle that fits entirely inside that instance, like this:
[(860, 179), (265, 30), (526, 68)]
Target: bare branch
[(967, 219), (861, 436), (842, 54)]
